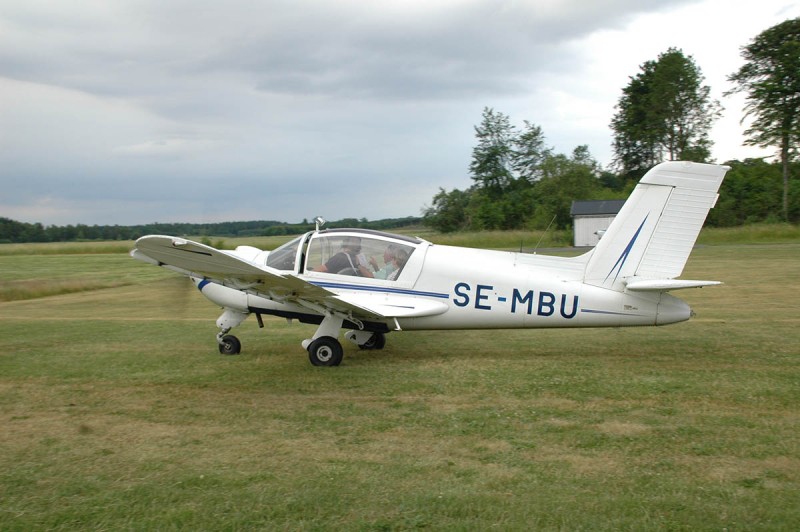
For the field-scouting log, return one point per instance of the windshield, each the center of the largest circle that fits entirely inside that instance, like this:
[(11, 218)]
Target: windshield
[(283, 258)]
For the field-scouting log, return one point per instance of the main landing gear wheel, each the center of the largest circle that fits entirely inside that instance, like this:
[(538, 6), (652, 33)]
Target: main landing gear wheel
[(325, 351), (376, 341), (230, 345)]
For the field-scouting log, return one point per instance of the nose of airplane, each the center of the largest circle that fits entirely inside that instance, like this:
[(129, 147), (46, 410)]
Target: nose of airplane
[(672, 310)]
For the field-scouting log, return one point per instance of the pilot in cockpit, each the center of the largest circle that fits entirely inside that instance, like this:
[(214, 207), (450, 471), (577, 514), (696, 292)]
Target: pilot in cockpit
[(347, 261)]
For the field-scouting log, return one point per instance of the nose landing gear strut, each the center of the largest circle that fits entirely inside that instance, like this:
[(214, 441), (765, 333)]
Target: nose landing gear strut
[(228, 343)]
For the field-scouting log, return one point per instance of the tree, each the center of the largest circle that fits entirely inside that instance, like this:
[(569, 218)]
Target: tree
[(491, 158), (564, 179), (448, 211), (750, 193), (529, 153), (664, 112), (518, 181), (635, 135), (771, 79)]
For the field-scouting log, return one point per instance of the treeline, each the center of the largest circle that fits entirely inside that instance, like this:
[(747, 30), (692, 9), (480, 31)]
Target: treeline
[(751, 193), (12, 231)]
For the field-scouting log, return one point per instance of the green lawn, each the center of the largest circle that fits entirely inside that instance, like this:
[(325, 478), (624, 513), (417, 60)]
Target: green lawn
[(118, 413)]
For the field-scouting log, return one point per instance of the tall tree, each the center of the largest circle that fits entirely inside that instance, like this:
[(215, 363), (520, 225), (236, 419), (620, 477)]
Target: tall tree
[(491, 158), (529, 153), (771, 79), (635, 128), (664, 112)]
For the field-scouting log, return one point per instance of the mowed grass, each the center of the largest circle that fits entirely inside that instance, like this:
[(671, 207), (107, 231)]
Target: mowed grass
[(36, 276), (118, 412)]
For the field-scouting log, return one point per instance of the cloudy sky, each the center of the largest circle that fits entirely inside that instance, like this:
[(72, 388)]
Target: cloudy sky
[(136, 111)]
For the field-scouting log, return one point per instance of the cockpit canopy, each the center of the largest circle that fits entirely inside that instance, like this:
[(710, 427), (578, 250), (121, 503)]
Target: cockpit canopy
[(354, 252)]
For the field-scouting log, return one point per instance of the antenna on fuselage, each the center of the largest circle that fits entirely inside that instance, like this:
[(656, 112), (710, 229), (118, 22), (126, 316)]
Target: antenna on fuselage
[(544, 233), (319, 221)]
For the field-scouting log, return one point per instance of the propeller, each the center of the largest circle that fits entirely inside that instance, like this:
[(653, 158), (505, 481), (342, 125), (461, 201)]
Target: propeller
[(177, 292)]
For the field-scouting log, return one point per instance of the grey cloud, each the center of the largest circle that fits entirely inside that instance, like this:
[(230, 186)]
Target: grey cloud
[(150, 51), (470, 49)]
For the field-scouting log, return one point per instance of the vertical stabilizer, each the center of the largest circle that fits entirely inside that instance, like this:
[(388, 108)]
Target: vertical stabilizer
[(655, 230)]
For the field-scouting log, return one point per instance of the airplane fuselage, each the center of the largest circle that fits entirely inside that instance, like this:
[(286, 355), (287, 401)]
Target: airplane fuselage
[(484, 289)]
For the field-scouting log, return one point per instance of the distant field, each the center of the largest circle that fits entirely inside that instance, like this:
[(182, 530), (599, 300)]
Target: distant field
[(119, 413), (512, 240)]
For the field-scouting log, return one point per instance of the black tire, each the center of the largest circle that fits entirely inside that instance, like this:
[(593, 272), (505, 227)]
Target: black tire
[(325, 351), (230, 345), (376, 341)]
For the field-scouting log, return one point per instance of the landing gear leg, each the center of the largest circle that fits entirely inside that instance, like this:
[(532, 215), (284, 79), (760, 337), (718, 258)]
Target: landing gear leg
[(324, 348), (229, 344)]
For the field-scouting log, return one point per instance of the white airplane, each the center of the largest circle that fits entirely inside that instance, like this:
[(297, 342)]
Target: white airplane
[(372, 283)]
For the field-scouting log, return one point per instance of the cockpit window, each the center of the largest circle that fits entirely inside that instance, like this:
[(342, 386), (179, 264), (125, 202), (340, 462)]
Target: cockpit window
[(283, 258), (360, 256)]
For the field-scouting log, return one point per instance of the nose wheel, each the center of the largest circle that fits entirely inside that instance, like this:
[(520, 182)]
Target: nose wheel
[(229, 345)]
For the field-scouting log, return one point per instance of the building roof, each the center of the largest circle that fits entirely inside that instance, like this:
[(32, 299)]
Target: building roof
[(595, 207)]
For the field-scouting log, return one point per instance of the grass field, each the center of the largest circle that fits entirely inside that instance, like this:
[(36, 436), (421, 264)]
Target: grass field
[(118, 412)]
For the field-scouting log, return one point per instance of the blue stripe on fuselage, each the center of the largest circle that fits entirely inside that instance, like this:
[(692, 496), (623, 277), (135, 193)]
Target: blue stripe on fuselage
[(363, 288), (609, 312)]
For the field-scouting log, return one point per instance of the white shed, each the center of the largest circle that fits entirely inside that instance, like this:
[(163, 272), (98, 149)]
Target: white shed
[(591, 218)]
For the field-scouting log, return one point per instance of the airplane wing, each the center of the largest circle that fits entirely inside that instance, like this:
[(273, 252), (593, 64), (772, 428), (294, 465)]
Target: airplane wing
[(198, 259), (192, 258)]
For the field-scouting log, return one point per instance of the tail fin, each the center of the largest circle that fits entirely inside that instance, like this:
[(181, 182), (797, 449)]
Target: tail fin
[(655, 230)]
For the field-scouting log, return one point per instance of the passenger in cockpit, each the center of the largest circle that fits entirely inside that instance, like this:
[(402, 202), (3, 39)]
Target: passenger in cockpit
[(388, 263), (400, 259)]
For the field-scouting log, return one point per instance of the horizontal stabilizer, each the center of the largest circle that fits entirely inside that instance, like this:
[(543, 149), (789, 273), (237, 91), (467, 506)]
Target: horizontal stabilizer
[(663, 285)]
